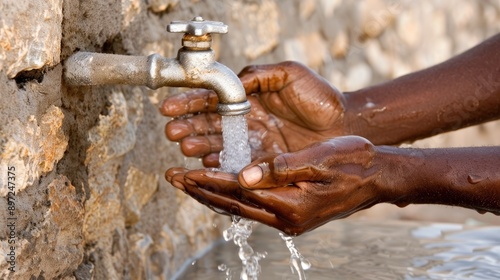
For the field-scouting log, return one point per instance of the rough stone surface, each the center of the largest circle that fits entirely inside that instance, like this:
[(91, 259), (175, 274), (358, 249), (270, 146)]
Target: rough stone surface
[(138, 189), (255, 27), (91, 201), (30, 35), (34, 147)]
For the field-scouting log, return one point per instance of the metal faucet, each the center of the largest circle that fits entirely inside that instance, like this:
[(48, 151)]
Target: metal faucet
[(194, 67)]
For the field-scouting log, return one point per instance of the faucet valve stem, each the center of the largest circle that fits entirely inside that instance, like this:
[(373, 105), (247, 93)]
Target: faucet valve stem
[(197, 32)]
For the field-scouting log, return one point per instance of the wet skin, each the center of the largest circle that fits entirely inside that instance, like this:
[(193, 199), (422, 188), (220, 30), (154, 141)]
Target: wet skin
[(302, 178), (286, 114)]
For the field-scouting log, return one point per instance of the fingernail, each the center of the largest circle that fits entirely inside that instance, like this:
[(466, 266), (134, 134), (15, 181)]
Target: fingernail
[(189, 181), (178, 185), (168, 108), (252, 175), (178, 130)]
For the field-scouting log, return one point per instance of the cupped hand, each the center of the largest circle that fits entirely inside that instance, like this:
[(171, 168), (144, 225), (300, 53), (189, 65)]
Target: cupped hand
[(292, 107), (293, 192)]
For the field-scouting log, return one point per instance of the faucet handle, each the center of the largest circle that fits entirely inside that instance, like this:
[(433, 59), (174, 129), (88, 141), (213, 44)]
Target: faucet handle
[(197, 27)]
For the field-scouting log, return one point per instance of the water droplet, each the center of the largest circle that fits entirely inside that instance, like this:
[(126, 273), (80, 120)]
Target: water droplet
[(245, 252), (228, 234), (474, 179), (305, 264), (237, 240), (222, 267), (402, 204)]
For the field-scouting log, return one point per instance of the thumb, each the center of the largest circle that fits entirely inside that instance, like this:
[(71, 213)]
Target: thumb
[(280, 170)]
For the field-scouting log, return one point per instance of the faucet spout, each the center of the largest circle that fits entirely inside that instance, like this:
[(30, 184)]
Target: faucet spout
[(194, 67), (198, 69)]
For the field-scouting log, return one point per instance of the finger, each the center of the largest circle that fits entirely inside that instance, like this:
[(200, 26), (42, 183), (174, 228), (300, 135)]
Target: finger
[(283, 169), (175, 176), (263, 78), (226, 184), (215, 181), (219, 202), (278, 200), (211, 160), (220, 190), (202, 124), (172, 171), (198, 146), (199, 100), (283, 202)]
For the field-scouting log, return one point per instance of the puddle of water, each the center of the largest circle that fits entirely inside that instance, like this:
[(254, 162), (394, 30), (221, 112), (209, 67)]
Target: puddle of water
[(352, 249)]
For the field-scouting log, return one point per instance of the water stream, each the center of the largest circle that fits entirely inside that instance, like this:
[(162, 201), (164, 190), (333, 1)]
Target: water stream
[(236, 155)]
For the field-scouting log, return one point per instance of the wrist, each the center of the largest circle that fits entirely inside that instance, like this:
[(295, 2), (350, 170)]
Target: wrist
[(351, 119), (400, 173), (361, 117)]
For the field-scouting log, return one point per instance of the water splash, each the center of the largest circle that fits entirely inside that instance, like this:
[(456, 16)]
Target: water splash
[(298, 263), (239, 232), (236, 155)]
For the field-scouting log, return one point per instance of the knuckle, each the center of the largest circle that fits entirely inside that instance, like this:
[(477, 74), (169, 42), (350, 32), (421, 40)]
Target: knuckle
[(248, 69), (294, 65)]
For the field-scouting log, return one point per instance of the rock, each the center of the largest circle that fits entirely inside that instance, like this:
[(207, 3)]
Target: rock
[(375, 16), (139, 253), (55, 247), (359, 76), (306, 8), (26, 46), (54, 141), (378, 59), (399, 68), (114, 136), (340, 45), (431, 55), (138, 190), (309, 49), (33, 149), (328, 6), (256, 27), (159, 6), (408, 27), (130, 10)]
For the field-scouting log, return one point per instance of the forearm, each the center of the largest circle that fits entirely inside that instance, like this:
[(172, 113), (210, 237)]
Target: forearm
[(465, 177), (457, 93)]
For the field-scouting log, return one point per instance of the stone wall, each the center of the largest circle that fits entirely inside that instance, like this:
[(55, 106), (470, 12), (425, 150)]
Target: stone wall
[(90, 198)]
